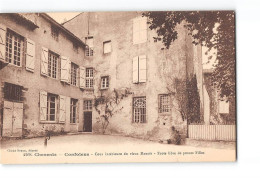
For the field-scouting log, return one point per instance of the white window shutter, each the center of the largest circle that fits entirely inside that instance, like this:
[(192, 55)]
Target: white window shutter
[(69, 70), (136, 30), (82, 79), (142, 69), (62, 110), (223, 107), (2, 42), (143, 30), (64, 75), (30, 55), (44, 61), (135, 70), (43, 105)]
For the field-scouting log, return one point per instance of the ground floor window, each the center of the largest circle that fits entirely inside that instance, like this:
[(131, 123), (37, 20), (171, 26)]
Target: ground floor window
[(12, 92), (164, 103), (87, 105), (139, 109), (73, 110), (51, 107)]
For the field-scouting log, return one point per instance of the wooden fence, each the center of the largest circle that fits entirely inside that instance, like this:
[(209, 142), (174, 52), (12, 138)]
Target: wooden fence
[(212, 132)]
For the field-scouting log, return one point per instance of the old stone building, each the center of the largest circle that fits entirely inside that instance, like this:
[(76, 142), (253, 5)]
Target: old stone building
[(41, 75), (123, 55)]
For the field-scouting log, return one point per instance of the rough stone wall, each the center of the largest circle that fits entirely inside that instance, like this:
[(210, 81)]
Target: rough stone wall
[(33, 82), (117, 27)]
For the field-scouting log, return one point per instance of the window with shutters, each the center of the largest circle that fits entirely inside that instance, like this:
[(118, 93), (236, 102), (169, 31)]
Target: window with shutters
[(104, 82), (52, 64), (107, 47), (73, 110), (74, 71), (89, 77), (139, 30), (12, 92), (164, 103), (51, 107), (89, 46), (55, 33), (87, 105), (139, 109), (139, 69), (14, 52)]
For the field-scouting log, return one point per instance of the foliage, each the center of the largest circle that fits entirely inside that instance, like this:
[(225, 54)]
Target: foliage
[(108, 104), (212, 29), (175, 137)]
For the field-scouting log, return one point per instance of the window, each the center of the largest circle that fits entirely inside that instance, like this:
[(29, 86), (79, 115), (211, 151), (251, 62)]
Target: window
[(51, 107), (139, 30), (87, 105), (104, 82), (139, 69), (14, 48), (73, 110), (12, 92), (164, 103), (89, 78), (139, 109), (89, 46), (55, 33), (107, 47), (74, 70), (52, 64)]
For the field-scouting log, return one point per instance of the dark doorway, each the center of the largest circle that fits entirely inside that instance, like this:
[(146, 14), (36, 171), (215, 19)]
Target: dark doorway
[(87, 122)]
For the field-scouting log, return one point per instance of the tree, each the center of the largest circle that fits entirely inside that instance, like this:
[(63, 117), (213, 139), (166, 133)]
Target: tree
[(108, 104), (212, 29)]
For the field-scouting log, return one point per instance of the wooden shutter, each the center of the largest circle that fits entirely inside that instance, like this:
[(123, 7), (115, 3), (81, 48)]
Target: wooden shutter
[(2, 42), (136, 27), (64, 75), (69, 70), (62, 110), (82, 77), (143, 30), (142, 68), (44, 61), (30, 55), (135, 70), (43, 105)]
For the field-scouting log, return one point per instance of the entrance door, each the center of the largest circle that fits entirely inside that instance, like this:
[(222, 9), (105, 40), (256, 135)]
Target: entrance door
[(12, 119), (87, 122)]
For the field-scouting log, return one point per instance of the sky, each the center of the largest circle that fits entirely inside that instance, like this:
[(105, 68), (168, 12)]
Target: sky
[(62, 16)]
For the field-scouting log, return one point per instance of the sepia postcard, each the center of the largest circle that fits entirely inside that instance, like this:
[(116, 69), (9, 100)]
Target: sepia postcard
[(105, 87)]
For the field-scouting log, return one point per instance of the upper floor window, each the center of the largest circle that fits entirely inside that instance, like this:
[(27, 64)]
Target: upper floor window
[(89, 77), (107, 47), (55, 33), (52, 64), (14, 48), (139, 30), (89, 46), (139, 69), (104, 82), (12, 92), (74, 71), (164, 103)]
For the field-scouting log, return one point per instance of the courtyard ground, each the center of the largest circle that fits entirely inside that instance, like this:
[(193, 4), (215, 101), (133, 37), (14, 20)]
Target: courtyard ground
[(82, 148)]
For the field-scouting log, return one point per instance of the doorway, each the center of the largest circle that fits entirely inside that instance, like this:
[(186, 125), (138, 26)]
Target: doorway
[(87, 126)]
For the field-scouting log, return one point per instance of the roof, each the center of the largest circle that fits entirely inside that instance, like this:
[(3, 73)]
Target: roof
[(66, 31), (71, 18), (25, 19)]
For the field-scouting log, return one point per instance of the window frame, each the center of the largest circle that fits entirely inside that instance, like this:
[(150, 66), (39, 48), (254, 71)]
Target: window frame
[(89, 78), (51, 53), (89, 50), (73, 107), (74, 71), (134, 112), (11, 60), (106, 82), (17, 89), (162, 104), (48, 114), (88, 105)]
